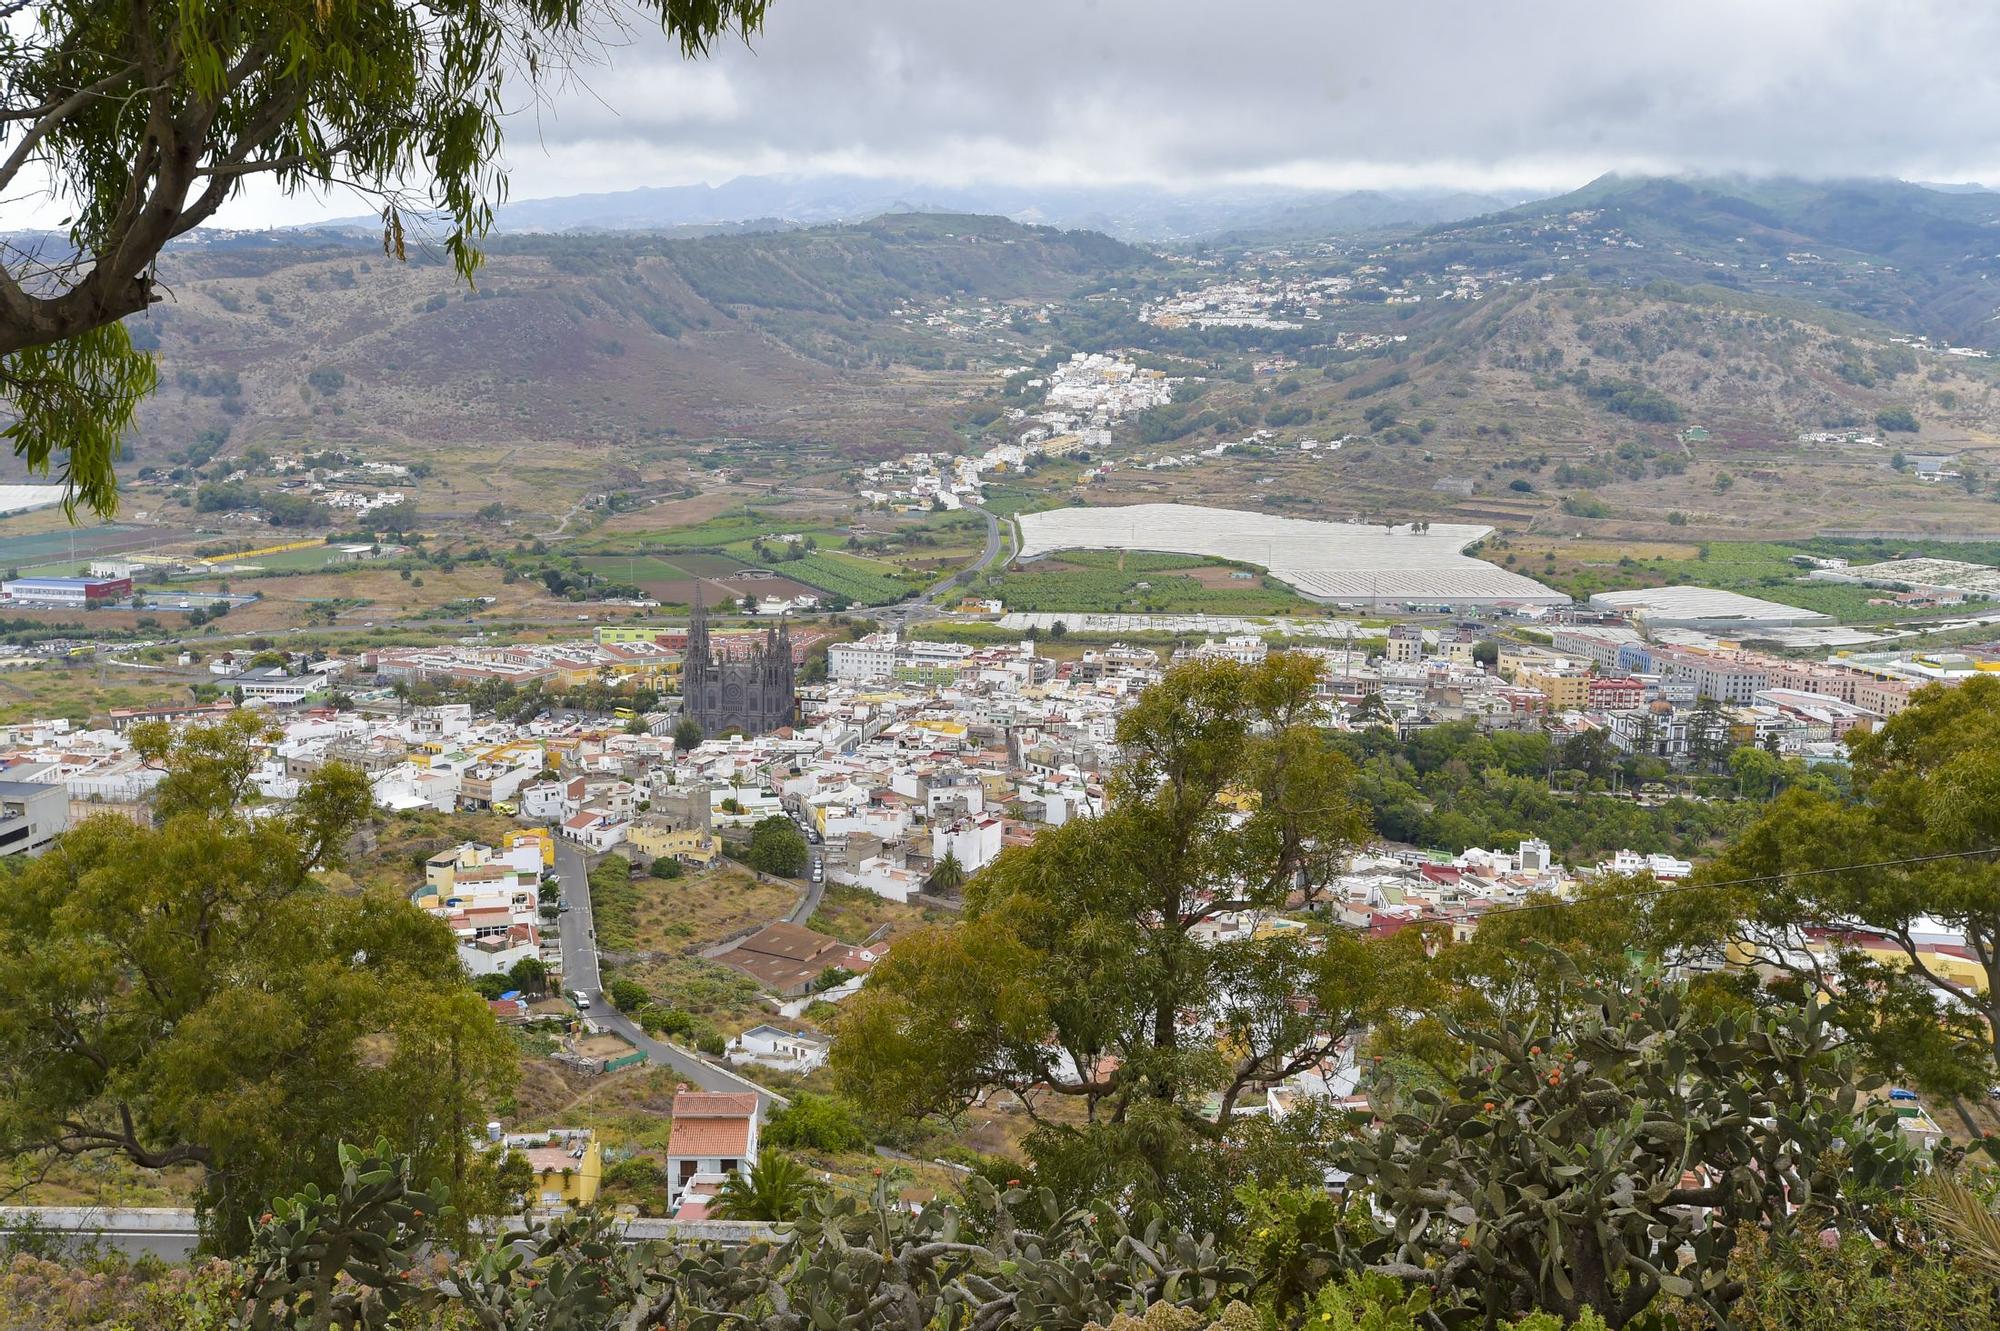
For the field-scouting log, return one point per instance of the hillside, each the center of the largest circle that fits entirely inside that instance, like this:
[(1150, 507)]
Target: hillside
[(1573, 365), (1129, 212), (1916, 258), (1569, 407), (581, 340)]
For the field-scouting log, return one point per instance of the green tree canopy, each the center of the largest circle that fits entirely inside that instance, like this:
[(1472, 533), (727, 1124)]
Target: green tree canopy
[(189, 994), (142, 120), (1089, 962), (775, 1187), (777, 847), (1909, 851), (948, 875)]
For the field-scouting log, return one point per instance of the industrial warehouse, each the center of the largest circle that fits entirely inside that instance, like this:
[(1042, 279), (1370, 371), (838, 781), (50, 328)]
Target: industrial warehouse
[(65, 593)]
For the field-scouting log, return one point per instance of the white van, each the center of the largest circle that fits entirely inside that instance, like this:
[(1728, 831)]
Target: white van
[(581, 999)]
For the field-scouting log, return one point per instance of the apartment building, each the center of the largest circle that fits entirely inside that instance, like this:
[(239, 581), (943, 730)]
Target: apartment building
[(1723, 678), (32, 814)]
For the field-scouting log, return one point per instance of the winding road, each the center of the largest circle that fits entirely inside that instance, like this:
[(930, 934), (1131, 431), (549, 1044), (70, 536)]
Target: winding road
[(582, 974), (925, 605)]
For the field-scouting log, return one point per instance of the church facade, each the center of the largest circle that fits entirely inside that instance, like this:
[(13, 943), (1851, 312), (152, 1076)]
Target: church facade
[(755, 692)]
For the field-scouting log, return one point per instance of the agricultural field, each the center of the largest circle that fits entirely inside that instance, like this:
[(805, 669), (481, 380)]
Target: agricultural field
[(740, 524), (27, 542), (639, 570), (1754, 568), (872, 561), (863, 581)]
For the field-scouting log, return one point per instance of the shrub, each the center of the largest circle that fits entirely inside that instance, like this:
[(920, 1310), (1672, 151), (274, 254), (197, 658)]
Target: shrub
[(1896, 420), (815, 1122), (627, 995), (661, 1019)]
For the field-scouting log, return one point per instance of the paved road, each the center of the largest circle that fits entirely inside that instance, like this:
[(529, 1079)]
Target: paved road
[(581, 973), (578, 927), (138, 1231), (923, 606), (171, 1235)]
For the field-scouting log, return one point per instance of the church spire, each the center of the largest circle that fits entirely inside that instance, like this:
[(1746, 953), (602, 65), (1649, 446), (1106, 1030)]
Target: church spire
[(697, 643)]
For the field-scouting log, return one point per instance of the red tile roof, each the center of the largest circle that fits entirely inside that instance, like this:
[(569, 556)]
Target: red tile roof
[(708, 1123)]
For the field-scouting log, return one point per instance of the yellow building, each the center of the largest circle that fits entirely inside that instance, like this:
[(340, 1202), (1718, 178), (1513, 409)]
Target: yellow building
[(1566, 690), (568, 1168), (622, 635), (688, 843), (1946, 964), (441, 870)]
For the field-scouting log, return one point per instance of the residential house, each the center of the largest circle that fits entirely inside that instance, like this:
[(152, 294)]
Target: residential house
[(780, 1049), (973, 842), (568, 1165), (711, 1133), (595, 832), (657, 838)]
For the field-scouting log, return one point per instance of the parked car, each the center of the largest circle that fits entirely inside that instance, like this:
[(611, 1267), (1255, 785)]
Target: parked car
[(1898, 1093)]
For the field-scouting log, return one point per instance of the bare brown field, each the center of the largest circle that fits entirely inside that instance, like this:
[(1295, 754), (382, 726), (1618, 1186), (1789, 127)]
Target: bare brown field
[(672, 514), (674, 914)]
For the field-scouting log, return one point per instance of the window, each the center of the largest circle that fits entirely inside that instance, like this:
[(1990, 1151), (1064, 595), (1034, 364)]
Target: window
[(729, 1166)]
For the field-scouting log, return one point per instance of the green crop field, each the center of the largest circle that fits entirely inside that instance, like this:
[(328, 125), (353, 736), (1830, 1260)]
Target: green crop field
[(863, 581), (636, 569), (1107, 589), (702, 564), (1753, 568)]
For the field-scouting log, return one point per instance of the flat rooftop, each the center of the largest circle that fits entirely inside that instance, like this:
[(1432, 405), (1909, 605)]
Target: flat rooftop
[(1704, 605), (1327, 561)]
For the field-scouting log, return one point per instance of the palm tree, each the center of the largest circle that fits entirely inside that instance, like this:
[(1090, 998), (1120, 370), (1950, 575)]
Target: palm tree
[(1972, 1227), (775, 1189), (948, 875)]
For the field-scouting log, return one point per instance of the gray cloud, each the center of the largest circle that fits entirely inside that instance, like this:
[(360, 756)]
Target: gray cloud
[(1532, 94)]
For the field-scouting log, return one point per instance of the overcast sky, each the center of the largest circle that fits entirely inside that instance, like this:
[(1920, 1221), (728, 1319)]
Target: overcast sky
[(1520, 95)]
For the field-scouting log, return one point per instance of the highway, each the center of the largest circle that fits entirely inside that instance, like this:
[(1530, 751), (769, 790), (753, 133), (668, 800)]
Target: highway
[(578, 935)]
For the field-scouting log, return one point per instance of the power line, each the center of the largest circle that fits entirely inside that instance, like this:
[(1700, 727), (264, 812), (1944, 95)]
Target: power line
[(1667, 889)]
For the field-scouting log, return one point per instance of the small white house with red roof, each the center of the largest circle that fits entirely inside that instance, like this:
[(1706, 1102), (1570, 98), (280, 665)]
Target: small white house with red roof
[(596, 832), (713, 1133)]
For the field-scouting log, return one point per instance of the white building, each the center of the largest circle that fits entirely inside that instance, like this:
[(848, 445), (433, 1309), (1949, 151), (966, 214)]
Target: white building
[(32, 815), (712, 1133), (974, 842), (774, 1047), (595, 832)]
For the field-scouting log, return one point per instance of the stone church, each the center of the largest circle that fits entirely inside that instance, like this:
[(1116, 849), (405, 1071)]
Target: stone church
[(754, 692)]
